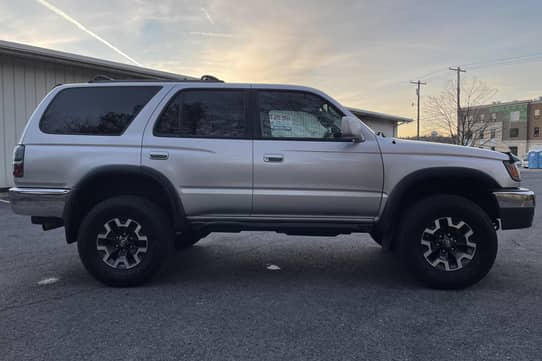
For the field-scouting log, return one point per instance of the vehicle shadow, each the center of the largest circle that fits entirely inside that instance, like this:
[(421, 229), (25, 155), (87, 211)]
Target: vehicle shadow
[(301, 261)]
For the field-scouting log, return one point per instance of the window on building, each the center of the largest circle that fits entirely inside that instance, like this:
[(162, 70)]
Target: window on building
[(493, 133), (95, 110), (482, 117), (537, 113), (204, 113), (494, 116), (514, 116), (514, 132), (285, 114), (514, 150), (536, 131), (482, 134), (471, 118)]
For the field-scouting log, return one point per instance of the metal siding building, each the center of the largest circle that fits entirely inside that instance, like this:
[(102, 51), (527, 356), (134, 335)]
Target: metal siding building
[(384, 123), (28, 73)]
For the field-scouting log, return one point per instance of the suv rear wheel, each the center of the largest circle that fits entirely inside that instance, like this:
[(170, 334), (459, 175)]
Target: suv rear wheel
[(447, 241), (123, 241)]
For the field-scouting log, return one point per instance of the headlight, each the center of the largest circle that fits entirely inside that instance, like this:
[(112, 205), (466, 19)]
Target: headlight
[(512, 169)]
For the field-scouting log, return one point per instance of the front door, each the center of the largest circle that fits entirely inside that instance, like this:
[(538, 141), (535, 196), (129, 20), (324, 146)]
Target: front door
[(303, 169)]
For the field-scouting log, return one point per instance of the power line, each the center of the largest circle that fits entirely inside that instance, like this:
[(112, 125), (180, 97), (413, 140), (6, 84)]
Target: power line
[(481, 63), (418, 83)]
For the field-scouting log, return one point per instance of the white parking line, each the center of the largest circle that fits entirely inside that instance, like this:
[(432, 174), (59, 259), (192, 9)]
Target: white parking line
[(4, 201), (48, 281)]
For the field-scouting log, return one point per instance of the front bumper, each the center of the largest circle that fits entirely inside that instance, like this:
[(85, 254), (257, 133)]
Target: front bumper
[(38, 202), (516, 207)]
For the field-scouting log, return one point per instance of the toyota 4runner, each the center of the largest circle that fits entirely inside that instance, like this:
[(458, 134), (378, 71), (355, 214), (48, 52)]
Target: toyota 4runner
[(132, 169)]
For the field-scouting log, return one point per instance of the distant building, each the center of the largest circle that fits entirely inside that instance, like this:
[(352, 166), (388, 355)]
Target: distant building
[(384, 123), (512, 126), (28, 73)]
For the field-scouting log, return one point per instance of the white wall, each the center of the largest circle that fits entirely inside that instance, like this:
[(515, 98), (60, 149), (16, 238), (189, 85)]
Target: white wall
[(387, 127), (23, 83)]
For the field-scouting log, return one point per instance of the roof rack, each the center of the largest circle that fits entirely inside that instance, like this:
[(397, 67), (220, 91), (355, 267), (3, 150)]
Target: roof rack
[(107, 79)]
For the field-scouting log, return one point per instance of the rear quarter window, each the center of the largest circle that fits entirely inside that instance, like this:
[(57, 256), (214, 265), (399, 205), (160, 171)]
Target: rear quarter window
[(95, 110)]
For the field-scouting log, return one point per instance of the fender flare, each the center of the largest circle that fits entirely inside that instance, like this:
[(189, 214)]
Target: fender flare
[(387, 223), (174, 200)]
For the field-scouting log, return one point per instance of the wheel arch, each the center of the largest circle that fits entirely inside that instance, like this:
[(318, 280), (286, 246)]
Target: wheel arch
[(106, 181), (466, 182)]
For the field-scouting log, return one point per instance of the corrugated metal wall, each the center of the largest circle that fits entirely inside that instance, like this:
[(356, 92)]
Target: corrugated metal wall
[(23, 84)]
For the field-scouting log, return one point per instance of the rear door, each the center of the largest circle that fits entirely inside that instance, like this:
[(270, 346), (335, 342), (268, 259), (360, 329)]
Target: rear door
[(303, 169), (201, 142)]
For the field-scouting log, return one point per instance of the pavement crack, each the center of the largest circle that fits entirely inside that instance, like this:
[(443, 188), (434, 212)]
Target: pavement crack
[(37, 302)]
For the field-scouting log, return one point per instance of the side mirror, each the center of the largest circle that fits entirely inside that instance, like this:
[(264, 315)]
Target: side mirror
[(351, 128)]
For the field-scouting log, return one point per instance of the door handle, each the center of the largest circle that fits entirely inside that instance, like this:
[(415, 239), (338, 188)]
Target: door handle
[(159, 155), (273, 158)]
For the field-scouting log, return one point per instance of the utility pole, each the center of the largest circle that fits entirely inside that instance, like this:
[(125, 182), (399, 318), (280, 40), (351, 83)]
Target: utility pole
[(418, 83), (459, 71)]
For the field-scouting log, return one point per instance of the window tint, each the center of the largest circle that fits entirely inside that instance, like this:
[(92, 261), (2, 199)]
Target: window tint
[(204, 113), (95, 110), (285, 114)]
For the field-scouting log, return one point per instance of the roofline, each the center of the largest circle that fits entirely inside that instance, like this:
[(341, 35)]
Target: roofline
[(496, 104), (377, 115), (29, 51)]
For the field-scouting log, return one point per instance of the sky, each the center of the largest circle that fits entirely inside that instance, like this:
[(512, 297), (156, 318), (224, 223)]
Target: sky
[(362, 53)]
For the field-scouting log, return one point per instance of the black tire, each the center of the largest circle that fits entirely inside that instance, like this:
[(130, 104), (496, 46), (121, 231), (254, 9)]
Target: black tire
[(156, 234), (448, 211)]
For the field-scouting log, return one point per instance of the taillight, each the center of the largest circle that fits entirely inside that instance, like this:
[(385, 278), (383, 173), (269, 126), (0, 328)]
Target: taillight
[(18, 161)]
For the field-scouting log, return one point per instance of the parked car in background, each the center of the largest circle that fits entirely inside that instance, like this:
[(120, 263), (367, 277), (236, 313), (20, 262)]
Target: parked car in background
[(516, 160), (132, 169)]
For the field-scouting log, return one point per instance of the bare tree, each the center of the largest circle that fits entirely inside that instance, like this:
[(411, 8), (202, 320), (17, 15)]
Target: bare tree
[(441, 111)]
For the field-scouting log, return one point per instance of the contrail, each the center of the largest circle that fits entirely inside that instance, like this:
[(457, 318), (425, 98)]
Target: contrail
[(208, 16), (211, 35), (83, 28)]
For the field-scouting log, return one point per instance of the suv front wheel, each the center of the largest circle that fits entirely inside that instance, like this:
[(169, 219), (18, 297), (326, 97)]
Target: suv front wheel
[(123, 241), (447, 241)]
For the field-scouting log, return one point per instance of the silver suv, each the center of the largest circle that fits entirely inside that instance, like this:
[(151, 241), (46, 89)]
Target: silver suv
[(132, 169)]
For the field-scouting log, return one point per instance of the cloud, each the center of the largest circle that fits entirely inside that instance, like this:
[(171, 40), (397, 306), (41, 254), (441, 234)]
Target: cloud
[(85, 29), (209, 18)]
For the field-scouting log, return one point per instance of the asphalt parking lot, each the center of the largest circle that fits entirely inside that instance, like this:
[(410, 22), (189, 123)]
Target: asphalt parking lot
[(264, 296)]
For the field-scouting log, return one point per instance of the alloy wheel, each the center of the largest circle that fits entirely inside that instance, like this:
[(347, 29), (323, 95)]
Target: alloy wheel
[(123, 245), (447, 244)]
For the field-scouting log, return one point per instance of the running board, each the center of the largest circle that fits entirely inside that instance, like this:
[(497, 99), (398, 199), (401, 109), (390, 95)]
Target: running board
[(289, 228)]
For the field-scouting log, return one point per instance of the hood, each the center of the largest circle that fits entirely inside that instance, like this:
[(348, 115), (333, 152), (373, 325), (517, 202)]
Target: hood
[(401, 146)]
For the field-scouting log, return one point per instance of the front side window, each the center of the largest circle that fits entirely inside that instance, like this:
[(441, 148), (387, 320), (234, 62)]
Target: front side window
[(297, 115), (204, 113), (95, 110)]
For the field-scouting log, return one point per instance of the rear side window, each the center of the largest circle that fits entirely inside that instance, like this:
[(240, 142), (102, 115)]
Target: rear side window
[(95, 110), (204, 113)]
